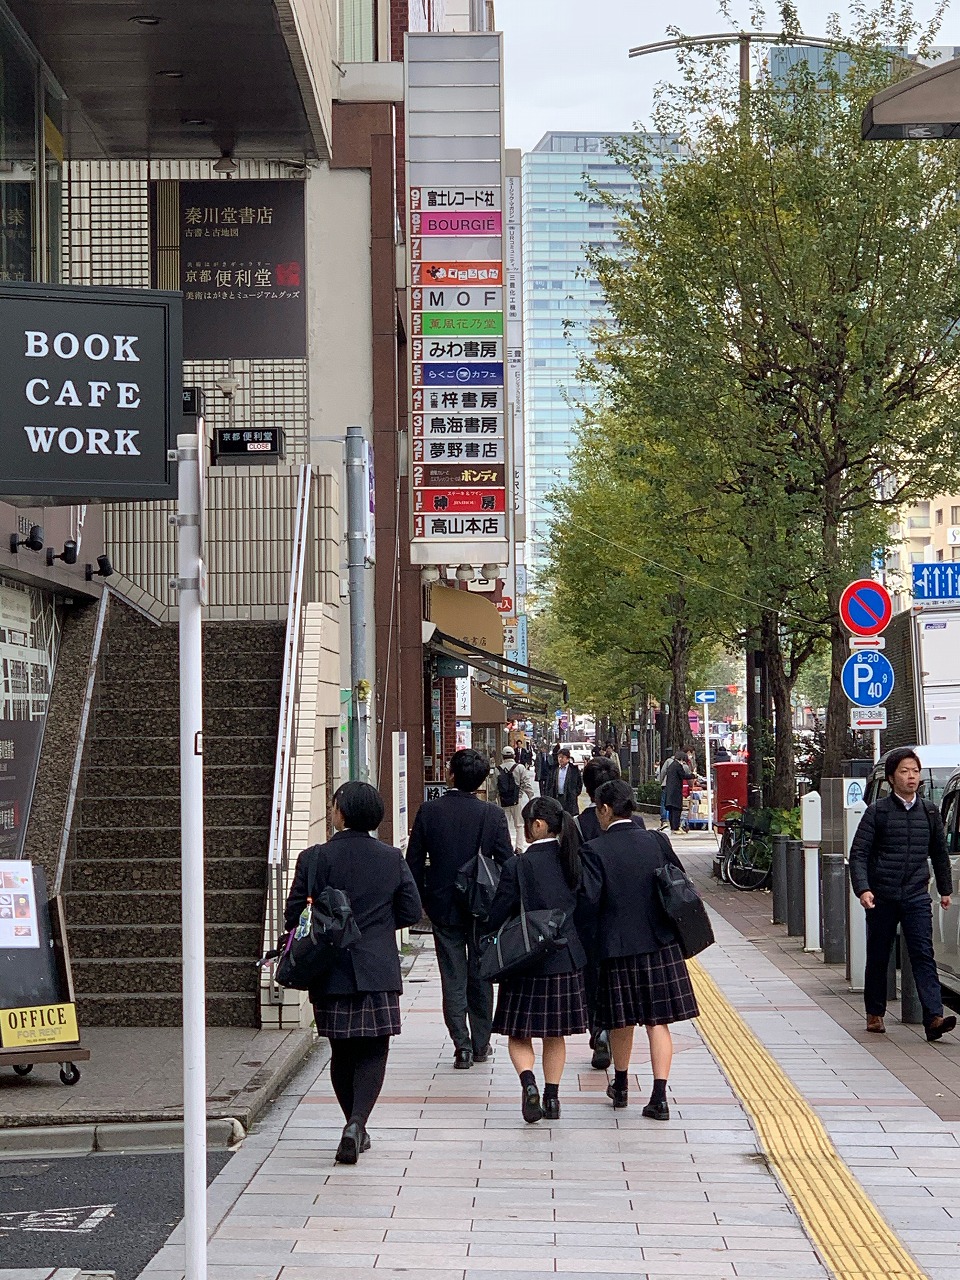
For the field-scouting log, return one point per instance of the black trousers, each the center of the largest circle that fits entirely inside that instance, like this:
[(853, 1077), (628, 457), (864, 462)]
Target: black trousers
[(674, 813), (915, 918), (467, 998)]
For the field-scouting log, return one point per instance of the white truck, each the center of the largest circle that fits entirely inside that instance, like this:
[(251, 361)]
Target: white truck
[(923, 645)]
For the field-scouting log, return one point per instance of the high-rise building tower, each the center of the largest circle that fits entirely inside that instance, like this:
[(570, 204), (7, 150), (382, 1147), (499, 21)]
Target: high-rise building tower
[(560, 218)]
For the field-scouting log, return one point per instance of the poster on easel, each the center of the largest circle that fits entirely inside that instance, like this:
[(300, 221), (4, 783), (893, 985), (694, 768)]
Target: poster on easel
[(19, 921)]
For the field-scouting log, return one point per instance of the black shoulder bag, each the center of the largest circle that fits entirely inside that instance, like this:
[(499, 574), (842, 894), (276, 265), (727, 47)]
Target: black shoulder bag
[(683, 907), (326, 928), (523, 941), (477, 880)]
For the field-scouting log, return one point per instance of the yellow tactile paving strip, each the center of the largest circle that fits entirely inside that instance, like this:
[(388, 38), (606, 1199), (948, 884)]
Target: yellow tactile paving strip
[(851, 1234)]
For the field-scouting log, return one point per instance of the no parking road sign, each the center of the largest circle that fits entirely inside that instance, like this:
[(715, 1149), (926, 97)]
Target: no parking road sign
[(867, 679), (865, 607)]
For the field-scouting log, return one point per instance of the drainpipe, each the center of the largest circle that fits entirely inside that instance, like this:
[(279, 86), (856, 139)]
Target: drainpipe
[(358, 508)]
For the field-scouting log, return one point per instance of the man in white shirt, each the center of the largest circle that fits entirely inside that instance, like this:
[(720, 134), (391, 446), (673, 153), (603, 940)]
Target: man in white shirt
[(514, 780)]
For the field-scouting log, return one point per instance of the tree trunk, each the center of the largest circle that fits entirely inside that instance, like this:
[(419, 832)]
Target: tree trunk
[(783, 785), (681, 739), (835, 732)]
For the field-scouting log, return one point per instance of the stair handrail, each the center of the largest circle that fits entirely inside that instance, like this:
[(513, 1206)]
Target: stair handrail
[(277, 851)]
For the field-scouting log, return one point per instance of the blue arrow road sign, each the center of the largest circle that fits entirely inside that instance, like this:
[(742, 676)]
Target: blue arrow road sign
[(936, 581), (705, 695), (867, 679)]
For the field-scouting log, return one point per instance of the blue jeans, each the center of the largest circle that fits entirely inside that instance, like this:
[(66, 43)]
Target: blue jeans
[(915, 918)]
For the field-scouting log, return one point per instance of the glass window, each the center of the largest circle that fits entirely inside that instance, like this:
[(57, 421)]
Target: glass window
[(955, 515), (358, 31), (940, 515), (18, 145)]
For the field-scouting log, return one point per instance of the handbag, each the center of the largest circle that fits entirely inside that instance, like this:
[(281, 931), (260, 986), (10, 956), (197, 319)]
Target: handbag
[(477, 881), (684, 909), (326, 928), (523, 941)]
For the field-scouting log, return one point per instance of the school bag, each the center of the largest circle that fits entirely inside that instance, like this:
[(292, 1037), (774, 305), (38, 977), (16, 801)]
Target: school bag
[(508, 788)]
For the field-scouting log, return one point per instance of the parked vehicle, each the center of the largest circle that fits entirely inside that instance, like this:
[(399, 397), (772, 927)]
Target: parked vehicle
[(922, 645), (938, 765), (946, 924)]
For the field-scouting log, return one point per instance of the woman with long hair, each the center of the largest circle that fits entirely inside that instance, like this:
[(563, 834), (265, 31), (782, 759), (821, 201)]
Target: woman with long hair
[(356, 1003), (548, 1003)]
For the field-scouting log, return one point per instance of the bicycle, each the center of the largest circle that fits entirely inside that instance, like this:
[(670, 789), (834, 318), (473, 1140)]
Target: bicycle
[(746, 850)]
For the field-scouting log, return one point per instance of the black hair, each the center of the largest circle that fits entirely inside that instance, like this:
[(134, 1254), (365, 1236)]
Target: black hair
[(563, 751), (617, 795), (597, 771), (469, 768), (563, 827), (896, 758), (361, 805)]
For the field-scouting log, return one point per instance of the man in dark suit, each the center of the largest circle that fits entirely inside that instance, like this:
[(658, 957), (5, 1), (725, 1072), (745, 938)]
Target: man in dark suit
[(565, 783), (446, 834)]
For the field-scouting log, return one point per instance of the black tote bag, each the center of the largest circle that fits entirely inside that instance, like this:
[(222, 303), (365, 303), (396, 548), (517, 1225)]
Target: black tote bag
[(684, 908), (523, 941)]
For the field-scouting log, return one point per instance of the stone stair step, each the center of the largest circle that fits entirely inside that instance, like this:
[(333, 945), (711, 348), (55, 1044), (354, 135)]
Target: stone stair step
[(244, 664), (238, 906), (225, 722), (226, 1009), (152, 780), (136, 694), (164, 842), (153, 812), (162, 977), (165, 752), (147, 875), (144, 942), (221, 640)]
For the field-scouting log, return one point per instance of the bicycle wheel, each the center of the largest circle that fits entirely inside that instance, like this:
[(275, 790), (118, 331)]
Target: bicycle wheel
[(751, 865), (730, 841)]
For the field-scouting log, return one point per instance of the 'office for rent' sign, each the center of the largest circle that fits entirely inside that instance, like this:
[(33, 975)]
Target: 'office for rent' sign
[(90, 392)]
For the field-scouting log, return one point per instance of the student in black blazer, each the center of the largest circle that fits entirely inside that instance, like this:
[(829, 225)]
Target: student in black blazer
[(447, 833), (548, 1002), (565, 783), (357, 1003), (643, 977)]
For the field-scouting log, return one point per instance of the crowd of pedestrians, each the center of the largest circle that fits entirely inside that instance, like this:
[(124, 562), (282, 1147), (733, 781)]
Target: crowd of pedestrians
[(616, 964)]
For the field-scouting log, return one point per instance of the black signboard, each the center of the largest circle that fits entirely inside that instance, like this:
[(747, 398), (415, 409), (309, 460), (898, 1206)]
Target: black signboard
[(247, 444), (90, 392), (237, 251)]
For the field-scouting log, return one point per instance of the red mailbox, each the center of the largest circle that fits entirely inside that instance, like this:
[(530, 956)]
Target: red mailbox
[(729, 787)]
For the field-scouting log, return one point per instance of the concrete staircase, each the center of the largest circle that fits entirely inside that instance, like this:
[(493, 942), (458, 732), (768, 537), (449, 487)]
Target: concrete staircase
[(123, 878)]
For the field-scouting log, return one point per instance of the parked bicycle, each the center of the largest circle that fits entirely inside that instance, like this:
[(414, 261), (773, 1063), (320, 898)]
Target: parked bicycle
[(746, 849)]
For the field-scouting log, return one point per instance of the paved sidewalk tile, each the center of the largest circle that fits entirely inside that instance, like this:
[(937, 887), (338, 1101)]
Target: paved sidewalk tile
[(457, 1187)]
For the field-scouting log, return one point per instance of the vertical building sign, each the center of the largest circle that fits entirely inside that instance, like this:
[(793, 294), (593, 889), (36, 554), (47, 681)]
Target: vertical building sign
[(462, 465)]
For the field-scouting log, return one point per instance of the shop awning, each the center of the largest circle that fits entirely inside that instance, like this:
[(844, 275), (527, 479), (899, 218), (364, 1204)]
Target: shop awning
[(494, 664), (925, 105)]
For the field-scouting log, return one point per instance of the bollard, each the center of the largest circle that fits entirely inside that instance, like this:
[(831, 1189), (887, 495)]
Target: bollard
[(911, 1009), (833, 876), (779, 882), (795, 888)]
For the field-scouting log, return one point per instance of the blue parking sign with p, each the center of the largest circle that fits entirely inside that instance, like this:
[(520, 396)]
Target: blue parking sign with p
[(867, 679)]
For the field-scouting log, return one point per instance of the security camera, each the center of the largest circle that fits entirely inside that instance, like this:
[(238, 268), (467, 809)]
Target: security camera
[(229, 385)]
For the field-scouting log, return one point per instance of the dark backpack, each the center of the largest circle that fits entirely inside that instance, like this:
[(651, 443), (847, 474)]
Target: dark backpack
[(508, 788)]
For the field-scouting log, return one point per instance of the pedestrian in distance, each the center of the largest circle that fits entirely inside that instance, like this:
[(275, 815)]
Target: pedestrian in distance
[(447, 833), (541, 768), (609, 753), (643, 978), (515, 786), (356, 1004), (565, 783), (672, 777), (547, 1003), (898, 837)]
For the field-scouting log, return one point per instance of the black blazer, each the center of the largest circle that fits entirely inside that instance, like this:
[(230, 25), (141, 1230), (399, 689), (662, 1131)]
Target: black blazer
[(545, 888), (384, 898), (447, 834), (621, 907), (573, 785), (590, 823)]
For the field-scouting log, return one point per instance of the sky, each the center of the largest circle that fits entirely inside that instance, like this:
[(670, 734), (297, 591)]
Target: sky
[(566, 63)]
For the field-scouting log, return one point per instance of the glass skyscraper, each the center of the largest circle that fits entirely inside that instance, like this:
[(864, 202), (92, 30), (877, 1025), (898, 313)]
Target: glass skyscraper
[(557, 224)]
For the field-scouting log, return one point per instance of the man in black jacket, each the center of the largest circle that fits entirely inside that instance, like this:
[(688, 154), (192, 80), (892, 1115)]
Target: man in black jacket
[(446, 834), (565, 783), (898, 837)]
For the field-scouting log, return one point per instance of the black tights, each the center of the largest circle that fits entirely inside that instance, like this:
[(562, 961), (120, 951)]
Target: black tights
[(357, 1068)]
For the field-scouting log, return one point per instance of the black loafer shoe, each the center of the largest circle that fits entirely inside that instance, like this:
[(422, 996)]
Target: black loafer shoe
[(530, 1105), (365, 1143), (657, 1111), (551, 1108), (463, 1059), (351, 1144), (481, 1055), (601, 1052), (940, 1027), (617, 1096)]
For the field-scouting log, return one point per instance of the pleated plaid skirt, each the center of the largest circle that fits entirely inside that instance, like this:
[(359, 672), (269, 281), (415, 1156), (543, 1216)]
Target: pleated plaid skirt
[(646, 991), (549, 1005), (367, 1013)]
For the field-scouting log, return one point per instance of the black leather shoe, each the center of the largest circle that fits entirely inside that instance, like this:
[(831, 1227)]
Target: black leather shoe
[(482, 1055), (601, 1052), (657, 1111), (530, 1106), (617, 1096), (940, 1027), (463, 1059), (365, 1144), (351, 1144), (551, 1108)]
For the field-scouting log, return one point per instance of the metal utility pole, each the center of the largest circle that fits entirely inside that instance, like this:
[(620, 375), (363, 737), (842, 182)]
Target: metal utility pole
[(358, 509)]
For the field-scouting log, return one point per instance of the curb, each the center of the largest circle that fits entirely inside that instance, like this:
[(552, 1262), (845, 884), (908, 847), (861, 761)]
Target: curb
[(84, 1139), (57, 1273)]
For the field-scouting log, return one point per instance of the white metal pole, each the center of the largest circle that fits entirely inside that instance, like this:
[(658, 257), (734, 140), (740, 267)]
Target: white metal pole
[(812, 835), (706, 744), (191, 836), (876, 745)]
